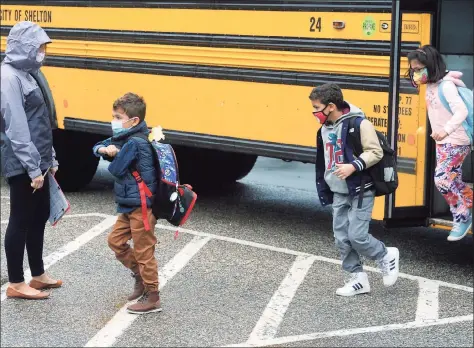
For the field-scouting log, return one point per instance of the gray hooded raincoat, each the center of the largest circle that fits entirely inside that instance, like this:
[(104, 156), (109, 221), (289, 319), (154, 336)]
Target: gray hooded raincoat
[(26, 135)]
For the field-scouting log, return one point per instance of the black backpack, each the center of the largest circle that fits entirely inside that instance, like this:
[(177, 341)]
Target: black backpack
[(384, 173)]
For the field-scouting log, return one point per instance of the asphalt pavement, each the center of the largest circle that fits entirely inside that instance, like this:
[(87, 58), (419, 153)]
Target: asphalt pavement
[(255, 266)]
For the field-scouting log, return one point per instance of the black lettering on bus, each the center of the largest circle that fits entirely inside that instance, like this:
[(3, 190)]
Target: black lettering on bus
[(402, 138), (39, 16), (18, 15), (404, 111), (5, 15), (377, 109), (378, 121), (315, 24)]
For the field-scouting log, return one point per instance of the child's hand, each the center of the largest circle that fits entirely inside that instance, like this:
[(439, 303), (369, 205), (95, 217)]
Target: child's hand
[(110, 150), (438, 136), (344, 170)]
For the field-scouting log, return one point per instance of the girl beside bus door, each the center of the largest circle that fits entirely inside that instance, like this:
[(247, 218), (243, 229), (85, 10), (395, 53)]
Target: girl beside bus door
[(453, 143)]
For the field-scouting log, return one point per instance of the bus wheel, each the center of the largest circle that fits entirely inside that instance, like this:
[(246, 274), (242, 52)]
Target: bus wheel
[(77, 163), (204, 167), (237, 166)]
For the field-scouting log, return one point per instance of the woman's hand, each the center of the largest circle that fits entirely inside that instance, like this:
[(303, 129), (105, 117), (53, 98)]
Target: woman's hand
[(37, 182)]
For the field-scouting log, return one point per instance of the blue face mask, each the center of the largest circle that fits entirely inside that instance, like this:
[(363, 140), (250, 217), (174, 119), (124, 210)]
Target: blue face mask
[(117, 127)]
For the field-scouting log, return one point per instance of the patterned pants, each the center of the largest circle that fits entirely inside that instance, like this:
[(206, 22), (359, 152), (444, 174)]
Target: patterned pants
[(448, 179)]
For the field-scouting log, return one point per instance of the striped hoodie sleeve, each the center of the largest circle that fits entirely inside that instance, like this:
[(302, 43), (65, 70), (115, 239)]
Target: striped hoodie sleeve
[(372, 151)]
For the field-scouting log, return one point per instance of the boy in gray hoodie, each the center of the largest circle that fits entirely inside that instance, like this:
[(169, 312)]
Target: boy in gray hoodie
[(340, 176)]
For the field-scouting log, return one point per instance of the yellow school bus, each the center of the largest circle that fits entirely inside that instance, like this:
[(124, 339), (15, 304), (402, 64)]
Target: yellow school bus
[(229, 80)]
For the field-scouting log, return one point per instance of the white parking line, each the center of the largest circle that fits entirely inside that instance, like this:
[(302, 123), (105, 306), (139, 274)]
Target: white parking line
[(299, 253), (265, 331), (69, 248), (357, 331), (6, 197), (428, 306), (107, 336), (269, 322), (277, 249)]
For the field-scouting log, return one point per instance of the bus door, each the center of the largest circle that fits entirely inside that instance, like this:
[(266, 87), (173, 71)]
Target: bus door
[(456, 47), (408, 128)]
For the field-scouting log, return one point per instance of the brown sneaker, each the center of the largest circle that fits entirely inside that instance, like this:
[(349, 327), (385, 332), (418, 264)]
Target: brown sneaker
[(138, 288), (149, 303)]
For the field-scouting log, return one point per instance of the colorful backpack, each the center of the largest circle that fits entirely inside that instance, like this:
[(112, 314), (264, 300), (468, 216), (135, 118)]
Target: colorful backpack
[(466, 96), (173, 201)]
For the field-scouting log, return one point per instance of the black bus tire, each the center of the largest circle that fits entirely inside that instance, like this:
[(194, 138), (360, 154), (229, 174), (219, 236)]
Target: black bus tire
[(77, 163), (205, 167)]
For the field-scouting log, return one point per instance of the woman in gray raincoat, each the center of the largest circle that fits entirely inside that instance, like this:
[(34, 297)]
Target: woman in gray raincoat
[(27, 153)]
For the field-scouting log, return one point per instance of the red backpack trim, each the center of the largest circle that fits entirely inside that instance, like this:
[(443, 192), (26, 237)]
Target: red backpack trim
[(144, 192)]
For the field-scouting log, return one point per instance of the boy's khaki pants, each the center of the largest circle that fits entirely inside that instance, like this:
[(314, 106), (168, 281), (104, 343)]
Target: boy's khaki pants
[(141, 258)]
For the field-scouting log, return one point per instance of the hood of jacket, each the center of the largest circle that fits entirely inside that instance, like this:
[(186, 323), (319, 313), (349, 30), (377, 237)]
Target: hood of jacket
[(354, 111), (455, 77), (123, 137), (23, 43)]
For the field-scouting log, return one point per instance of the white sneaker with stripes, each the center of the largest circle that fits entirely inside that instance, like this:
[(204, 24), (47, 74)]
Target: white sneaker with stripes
[(389, 266), (357, 283)]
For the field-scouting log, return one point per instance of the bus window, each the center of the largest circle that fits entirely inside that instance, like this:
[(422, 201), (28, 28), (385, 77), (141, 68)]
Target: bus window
[(455, 43)]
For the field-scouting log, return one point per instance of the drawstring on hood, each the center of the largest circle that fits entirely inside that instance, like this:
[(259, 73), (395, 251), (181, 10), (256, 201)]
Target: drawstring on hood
[(23, 43)]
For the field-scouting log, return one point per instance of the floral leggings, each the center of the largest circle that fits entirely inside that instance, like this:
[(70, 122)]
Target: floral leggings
[(448, 179)]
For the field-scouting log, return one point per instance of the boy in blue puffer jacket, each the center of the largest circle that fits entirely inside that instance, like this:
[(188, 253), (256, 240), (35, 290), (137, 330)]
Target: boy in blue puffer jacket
[(129, 150)]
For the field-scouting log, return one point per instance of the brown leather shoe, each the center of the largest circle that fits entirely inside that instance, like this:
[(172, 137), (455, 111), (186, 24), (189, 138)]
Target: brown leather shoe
[(149, 303), (36, 284), (12, 293), (138, 288)]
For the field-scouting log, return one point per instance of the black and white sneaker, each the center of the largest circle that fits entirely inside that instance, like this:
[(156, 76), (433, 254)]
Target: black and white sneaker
[(357, 283), (389, 266)]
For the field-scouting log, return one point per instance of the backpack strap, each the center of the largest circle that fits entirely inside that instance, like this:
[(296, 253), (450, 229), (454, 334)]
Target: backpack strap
[(443, 98), (144, 192), (356, 144), (354, 136), (142, 187)]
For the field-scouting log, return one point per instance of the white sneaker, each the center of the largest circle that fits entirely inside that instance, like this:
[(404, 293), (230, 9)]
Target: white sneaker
[(389, 266), (357, 283)]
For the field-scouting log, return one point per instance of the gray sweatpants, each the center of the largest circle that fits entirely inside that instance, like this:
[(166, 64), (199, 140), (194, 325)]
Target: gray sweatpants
[(351, 231)]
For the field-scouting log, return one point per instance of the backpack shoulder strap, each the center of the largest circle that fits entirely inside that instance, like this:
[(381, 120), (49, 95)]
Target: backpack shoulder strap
[(353, 135), (442, 97)]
